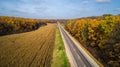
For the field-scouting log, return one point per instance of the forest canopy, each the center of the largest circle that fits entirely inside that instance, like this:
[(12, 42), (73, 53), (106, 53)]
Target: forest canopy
[(100, 35), (9, 25)]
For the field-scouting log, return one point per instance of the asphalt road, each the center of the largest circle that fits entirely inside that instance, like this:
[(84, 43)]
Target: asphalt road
[(79, 59)]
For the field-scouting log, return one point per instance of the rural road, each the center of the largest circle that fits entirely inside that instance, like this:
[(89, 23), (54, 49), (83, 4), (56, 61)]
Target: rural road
[(78, 59)]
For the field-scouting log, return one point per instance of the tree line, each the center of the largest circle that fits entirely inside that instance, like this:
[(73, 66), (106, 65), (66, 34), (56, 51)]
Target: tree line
[(9, 25), (100, 35)]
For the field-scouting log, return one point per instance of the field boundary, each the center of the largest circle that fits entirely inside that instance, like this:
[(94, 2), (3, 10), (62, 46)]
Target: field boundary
[(60, 58)]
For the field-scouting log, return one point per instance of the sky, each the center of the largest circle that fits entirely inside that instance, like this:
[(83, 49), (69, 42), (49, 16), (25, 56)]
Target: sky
[(58, 9)]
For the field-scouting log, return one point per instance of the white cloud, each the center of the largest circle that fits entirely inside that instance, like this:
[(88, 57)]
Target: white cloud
[(103, 1), (85, 2), (117, 9)]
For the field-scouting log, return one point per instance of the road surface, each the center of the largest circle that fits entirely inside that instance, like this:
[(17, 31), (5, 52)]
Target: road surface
[(79, 60)]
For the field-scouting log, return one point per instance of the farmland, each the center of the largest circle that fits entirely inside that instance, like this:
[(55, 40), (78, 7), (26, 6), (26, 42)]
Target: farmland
[(30, 49)]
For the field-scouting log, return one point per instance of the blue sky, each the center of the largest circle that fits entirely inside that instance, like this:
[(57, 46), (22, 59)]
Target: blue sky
[(58, 9)]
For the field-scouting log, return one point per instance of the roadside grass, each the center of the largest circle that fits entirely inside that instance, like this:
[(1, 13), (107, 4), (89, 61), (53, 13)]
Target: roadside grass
[(59, 56)]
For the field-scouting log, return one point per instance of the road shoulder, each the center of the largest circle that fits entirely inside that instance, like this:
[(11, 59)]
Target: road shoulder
[(59, 55)]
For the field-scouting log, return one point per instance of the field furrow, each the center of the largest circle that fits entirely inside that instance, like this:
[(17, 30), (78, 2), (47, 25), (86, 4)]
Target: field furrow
[(31, 49)]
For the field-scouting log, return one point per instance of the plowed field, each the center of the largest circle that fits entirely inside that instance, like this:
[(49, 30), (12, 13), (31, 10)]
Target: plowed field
[(31, 49)]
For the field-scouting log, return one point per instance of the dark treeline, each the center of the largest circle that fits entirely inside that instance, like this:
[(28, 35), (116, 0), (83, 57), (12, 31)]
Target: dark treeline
[(10, 25)]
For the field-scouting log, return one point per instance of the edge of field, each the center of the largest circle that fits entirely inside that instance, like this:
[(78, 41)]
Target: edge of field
[(59, 56)]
